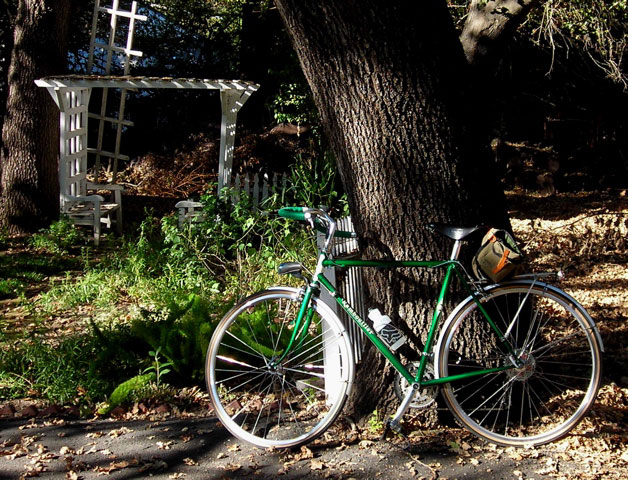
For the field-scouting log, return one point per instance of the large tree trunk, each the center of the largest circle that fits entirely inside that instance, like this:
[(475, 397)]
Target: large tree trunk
[(7, 15), (388, 80), (30, 139)]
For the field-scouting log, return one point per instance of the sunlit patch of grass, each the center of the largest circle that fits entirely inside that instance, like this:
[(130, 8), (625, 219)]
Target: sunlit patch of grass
[(22, 268)]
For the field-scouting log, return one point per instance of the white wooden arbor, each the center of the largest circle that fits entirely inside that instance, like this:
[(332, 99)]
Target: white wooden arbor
[(71, 94)]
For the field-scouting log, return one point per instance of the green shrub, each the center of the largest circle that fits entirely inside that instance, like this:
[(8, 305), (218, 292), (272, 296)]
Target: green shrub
[(314, 183), (58, 238), (10, 287), (293, 102)]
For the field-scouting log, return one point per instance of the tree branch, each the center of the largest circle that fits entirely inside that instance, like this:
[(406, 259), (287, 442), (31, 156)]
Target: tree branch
[(488, 22)]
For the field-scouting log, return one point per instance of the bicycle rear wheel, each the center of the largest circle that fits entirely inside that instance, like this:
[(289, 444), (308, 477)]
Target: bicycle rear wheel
[(270, 403), (544, 398)]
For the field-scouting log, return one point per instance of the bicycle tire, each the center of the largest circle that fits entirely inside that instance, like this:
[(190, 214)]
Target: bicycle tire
[(290, 403), (542, 400)]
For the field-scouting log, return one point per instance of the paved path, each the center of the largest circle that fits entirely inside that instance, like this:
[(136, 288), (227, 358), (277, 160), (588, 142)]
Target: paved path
[(199, 448)]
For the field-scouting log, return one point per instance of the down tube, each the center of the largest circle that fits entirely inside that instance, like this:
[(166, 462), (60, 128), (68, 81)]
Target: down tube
[(368, 331)]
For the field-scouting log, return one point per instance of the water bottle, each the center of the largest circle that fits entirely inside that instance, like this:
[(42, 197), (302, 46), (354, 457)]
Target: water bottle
[(386, 331)]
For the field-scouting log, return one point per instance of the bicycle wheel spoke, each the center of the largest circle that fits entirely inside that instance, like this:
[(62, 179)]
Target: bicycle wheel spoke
[(556, 356), (305, 372), (480, 380), (234, 361), (244, 408), (261, 410), (502, 388), (314, 348), (562, 375), (238, 387), (228, 379), (315, 387), (540, 400), (553, 343), (249, 352), (283, 324)]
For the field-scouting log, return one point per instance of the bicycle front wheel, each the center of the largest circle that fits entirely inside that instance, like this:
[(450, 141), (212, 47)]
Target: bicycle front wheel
[(264, 399), (546, 369)]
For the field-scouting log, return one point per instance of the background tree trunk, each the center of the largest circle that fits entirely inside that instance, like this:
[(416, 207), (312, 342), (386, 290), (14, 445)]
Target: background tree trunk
[(30, 140), (388, 80)]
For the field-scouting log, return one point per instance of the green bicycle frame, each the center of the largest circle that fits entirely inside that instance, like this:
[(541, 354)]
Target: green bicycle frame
[(306, 311)]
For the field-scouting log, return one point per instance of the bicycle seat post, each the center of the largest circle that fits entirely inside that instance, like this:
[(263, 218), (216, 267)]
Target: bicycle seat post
[(455, 251)]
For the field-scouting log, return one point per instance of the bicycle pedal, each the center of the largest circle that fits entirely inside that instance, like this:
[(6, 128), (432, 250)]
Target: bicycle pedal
[(394, 426)]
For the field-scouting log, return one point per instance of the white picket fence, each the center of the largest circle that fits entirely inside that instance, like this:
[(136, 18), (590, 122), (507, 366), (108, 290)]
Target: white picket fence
[(258, 187)]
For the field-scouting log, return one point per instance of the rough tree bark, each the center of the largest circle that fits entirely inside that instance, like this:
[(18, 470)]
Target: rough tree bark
[(388, 80), (30, 143)]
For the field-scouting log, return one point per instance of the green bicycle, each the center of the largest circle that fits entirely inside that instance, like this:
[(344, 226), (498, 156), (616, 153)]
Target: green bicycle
[(518, 363)]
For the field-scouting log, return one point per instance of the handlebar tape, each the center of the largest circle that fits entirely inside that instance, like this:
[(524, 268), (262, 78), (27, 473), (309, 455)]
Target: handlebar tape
[(293, 213)]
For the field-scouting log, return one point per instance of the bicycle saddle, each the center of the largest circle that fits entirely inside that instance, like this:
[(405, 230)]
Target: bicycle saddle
[(455, 233)]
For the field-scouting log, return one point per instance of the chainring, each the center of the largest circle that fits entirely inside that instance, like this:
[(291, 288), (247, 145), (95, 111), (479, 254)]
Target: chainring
[(426, 395)]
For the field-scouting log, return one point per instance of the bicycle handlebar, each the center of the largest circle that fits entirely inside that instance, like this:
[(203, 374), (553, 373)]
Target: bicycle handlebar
[(318, 218)]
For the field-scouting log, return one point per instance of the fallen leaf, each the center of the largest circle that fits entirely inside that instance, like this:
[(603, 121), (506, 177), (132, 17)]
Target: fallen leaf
[(154, 465), (119, 432), (304, 454), (66, 451), (232, 467), (316, 465), (113, 466), (365, 444)]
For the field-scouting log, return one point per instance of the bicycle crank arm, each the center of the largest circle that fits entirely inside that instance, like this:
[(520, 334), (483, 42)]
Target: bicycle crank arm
[(394, 423)]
